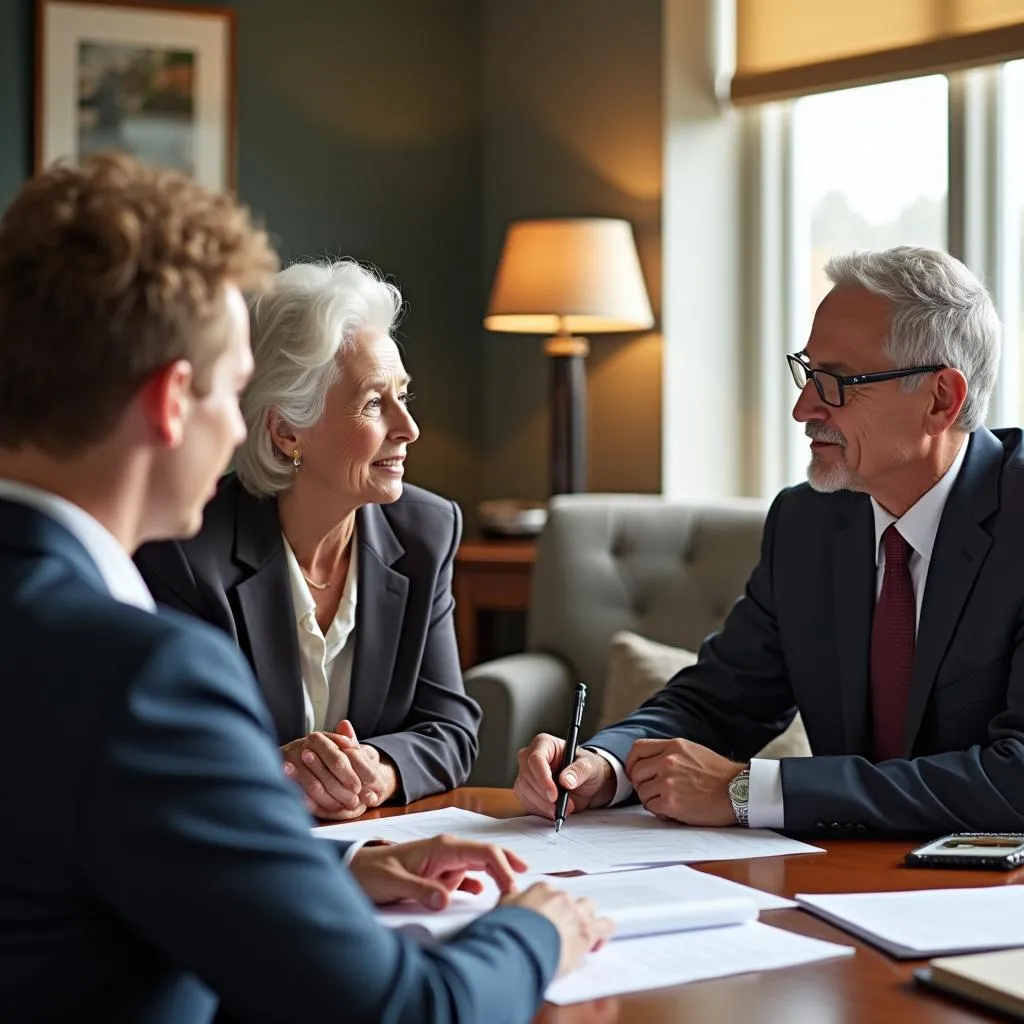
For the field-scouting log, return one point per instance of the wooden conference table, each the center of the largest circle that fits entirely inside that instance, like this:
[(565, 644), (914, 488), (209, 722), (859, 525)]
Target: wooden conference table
[(868, 988)]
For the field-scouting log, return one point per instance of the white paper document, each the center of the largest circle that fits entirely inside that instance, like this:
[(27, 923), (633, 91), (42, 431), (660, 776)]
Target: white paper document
[(541, 848), (928, 922), (401, 828), (632, 835), (635, 965), (646, 902), (595, 841), (688, 884)]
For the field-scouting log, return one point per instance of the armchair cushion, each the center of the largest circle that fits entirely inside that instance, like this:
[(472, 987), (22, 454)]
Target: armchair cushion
[(638, 668)]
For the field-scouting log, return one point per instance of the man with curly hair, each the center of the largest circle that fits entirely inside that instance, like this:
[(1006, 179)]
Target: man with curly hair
[(158, 861)]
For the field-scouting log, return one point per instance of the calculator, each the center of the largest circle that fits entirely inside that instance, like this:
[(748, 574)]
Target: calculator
[(992, 851)]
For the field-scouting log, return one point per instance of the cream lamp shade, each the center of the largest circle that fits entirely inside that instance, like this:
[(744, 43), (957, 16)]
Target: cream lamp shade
[(568, 276)]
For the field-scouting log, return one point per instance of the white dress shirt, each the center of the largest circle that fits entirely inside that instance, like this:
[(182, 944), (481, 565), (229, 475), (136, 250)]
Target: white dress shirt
[(918, 526), (325, 662)]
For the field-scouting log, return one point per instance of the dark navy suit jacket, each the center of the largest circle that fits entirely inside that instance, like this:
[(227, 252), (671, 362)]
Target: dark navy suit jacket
[(800, 638), (407, 697), (155, 860)]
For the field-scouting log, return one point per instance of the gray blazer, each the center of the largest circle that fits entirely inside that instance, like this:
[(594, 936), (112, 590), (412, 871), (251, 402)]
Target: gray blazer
[(407, 696), (800, 638)]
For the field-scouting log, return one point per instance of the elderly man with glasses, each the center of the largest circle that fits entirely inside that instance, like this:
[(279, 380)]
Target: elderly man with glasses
[(887, 607)]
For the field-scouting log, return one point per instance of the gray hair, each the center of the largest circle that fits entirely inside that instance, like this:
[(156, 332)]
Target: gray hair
[(941, 315), (302, 327)]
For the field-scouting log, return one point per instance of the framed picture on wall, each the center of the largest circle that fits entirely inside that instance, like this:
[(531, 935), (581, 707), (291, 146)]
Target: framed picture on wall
[(154, 80)]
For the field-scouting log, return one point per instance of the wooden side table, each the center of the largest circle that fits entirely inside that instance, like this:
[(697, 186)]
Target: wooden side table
[(489, 575)]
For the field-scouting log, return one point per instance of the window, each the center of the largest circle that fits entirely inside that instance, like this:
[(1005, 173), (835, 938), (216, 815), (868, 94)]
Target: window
[(936, 160), (869, 170), (1011, 247)]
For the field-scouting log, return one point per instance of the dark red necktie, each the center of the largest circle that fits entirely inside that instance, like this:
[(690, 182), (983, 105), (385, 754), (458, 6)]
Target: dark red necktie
[(892, 647)]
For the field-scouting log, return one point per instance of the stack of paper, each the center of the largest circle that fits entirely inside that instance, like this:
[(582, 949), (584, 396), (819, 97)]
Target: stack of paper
[(664, 960), (674, 925), (658, 901), (928, 922)]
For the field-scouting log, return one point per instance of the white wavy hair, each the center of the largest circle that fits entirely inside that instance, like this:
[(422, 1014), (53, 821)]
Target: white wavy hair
[(302, 326), (941, 315)]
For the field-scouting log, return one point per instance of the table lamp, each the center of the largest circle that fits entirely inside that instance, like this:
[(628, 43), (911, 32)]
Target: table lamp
[(560, 277)]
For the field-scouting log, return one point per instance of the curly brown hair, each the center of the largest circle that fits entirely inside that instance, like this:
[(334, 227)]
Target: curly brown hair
[(109, 271)]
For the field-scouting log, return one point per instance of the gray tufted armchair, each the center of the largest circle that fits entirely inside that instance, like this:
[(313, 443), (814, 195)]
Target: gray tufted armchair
[(607, 563)]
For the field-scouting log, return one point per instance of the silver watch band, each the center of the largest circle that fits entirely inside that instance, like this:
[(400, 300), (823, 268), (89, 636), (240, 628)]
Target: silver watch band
[(741, 804)]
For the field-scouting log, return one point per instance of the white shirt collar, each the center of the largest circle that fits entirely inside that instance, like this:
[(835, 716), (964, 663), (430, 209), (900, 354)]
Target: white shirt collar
[(920, 523), (114, 563), (302, 598)]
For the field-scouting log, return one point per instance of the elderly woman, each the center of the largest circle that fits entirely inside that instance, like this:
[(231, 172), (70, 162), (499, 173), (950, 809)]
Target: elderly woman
[(333, 577)]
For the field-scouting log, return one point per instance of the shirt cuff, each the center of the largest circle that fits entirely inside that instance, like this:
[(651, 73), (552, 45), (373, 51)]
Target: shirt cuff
[(356, 846), (764, 807), (623, 787)]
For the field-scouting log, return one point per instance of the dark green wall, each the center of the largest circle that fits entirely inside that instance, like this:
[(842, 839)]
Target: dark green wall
[(573, 118), (359, 133), (409, 133), (15, 95), (359, 129)]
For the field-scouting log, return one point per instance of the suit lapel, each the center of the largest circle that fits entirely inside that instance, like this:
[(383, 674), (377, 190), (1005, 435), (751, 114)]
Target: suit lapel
[(380, 612), (961, 545), (265, 607), (853, 559)]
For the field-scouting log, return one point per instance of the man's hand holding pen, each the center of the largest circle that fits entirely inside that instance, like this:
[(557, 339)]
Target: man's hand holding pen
[(589, 779)]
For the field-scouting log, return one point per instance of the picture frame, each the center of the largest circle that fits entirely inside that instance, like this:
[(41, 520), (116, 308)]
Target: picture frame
[(154, 79)]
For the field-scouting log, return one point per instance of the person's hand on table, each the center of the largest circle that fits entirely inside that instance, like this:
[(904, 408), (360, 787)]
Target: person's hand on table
[(683, 781), (428, 871), (576, 920), (340, 776), (590, 779)]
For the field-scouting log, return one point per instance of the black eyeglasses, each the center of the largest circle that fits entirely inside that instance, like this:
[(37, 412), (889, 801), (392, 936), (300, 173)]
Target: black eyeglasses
[(832, 386)]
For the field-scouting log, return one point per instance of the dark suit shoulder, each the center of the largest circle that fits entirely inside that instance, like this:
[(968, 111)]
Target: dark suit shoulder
[(113, 646), (1011, 441), (415, 500), (209, 558), (231, 508), (995, 455), (220, 513), (421, 518), (130, 636), (802, 508), (999, 503)]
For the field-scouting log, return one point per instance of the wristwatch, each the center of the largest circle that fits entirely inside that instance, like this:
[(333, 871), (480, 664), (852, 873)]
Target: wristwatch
[(739, 795)]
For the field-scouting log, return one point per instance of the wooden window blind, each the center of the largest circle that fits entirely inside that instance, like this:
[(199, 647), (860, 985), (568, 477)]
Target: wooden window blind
[(790, 48)]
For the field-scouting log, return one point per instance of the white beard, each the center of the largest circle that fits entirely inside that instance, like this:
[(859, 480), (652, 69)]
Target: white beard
[(829, 479)]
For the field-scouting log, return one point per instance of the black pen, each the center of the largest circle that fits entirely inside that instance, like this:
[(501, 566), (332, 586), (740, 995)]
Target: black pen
[(579, 701)]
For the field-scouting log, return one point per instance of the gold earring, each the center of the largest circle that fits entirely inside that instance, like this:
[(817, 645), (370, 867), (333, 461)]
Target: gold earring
[(296, 458)]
